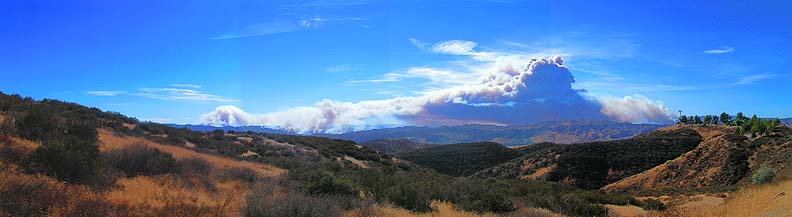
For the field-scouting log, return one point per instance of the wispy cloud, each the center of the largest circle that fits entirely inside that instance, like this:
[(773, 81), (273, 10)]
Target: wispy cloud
[(721, 50), (175, 92), (181, 94), (104, 92), (344, 68), (460, 47), (419, 44), (753, 78), (193, 86), (285, 26)]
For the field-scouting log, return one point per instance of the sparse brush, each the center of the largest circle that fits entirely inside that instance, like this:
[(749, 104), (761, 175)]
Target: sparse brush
[(139, 159), (274, 201)]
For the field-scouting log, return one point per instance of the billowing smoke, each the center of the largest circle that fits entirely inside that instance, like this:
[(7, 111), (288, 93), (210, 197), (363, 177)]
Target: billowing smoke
[(541, 90)]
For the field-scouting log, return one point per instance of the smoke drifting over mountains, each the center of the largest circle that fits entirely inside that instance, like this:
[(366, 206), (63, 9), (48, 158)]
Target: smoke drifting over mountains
[(505, 94)]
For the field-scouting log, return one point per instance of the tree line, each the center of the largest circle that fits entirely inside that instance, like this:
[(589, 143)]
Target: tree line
[(754, 125)]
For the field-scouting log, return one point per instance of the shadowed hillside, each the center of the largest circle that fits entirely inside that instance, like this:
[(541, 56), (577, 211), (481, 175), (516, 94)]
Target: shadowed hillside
[(595, 164), (722, 160), (461, 159)]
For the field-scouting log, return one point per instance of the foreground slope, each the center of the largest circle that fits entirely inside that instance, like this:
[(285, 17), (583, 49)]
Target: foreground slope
[(461, 159), (595, 164)]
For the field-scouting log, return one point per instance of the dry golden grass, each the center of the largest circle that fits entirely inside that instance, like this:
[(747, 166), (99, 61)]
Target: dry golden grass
[(442, 209), (168, 194), (773, 199), (109, 141)]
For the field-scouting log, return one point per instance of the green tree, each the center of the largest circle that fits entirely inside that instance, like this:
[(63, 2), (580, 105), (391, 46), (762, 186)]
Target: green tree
[(696, 119), (707, 119), (739, 119), (683, 119), (725, 118)]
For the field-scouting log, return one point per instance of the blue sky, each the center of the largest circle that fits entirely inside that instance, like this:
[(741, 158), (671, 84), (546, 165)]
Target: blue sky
[(174, 61)]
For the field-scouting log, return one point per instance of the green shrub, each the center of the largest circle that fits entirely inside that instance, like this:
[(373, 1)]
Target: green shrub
[(652, 204), (195, 167), (323, 182), (762, 175), (241, 174), (67, 161)]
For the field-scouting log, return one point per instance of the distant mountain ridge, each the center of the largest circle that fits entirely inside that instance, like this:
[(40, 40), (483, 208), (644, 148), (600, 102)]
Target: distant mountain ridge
[(206, 128), (562, 132)]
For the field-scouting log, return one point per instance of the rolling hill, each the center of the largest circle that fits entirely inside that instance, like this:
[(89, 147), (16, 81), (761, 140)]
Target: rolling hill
[(461, 159), (562, 132), (595, 164), (722, 159)]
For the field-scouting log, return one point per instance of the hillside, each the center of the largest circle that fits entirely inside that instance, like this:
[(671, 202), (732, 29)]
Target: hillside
[(64, 159), (722, 159), (787, 121), (461, 159), (563, 132), (595, 164), (394, 146)]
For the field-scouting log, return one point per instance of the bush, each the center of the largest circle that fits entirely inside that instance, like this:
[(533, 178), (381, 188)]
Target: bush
[(323, 182), (138, 160), (67, 160), (241, 173), (273, 201), (652, 204), (762, 175), (195, 167)]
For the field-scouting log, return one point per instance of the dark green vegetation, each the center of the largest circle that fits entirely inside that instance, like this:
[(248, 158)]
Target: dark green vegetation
[(754, 125), (594, 164), (320, 169), (557, 132), (394, 146), (461, 159), (530, 149)]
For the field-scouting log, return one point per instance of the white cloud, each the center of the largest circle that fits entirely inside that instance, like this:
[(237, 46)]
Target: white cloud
[(721, 50), (419, 44), (636, 109), (503, 89), (193, 86), (182, 92), (104, 92), (753, 78), (460, 47), (285, 26)]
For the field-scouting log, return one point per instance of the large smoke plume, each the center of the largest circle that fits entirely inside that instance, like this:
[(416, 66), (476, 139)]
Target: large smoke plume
[(539, 91)]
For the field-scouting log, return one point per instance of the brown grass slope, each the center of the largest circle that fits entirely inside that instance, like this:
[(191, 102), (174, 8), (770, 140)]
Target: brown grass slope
[(723, 159)]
